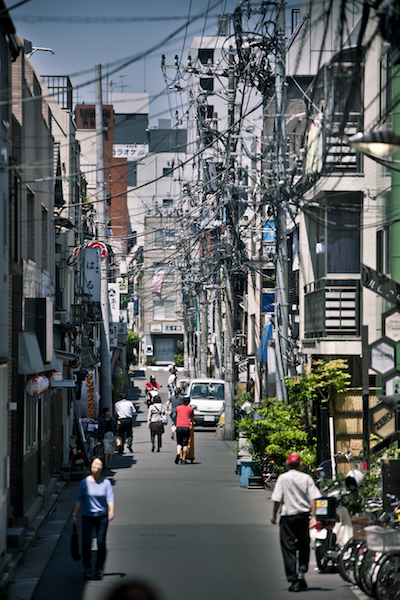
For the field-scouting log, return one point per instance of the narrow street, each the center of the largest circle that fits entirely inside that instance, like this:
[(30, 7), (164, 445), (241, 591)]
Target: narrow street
[(190, 531)]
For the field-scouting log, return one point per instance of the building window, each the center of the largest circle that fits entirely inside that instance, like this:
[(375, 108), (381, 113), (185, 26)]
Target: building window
[(382, 251), (46, 415), (45, 238), (206, 56), (379, 251), (132, 174), (168, 272), (168, 202), (31, 423), (163, 237), (207, 84), (30, 226), (167, 171), (385, 92), (164, 310), (295, 18), (15, 243), (334, 235), (169, 236), (158, 238)]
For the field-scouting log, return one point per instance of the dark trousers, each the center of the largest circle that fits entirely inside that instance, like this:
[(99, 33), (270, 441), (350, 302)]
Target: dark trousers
[(99, 524), (295, 544), (125, 432), (156, 431)]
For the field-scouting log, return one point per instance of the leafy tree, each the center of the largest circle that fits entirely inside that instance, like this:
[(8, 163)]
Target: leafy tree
[(317, 385), (133, 344), (275, 429)]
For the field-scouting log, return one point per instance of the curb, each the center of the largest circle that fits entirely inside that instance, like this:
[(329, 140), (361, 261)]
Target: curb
[(12, 560)]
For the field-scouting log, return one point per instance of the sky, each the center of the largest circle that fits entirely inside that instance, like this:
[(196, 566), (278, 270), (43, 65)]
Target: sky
[(128, 42)]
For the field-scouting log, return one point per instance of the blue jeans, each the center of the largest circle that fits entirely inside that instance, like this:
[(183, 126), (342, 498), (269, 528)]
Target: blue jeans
[(100, 525)]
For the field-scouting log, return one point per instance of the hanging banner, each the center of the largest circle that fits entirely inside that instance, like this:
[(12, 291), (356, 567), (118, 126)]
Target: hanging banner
[(92, 274), (114, 361), (114, 334), (314, 156), (114, 301), (123, 285), (89, 401)]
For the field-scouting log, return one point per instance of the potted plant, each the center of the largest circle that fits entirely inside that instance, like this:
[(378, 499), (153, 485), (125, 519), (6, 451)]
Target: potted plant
[(273, 429)]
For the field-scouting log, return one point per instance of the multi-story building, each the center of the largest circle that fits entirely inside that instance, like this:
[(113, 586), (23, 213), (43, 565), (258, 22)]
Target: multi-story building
[(343, 201), (158, 208), (225, 116), (69, 352), (8, 248), (142, 170), (32, 279)]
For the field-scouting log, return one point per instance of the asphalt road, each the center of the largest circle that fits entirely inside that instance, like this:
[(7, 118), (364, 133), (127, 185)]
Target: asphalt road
[(188, 530)]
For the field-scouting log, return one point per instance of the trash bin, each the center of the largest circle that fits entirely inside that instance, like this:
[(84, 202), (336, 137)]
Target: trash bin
[(245, 469)]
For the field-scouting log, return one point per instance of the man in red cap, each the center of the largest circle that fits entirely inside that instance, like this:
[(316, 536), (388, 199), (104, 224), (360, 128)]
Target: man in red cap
[(296, 493)]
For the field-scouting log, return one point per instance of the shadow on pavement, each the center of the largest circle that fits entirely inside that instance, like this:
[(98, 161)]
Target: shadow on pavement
[(120, 461)]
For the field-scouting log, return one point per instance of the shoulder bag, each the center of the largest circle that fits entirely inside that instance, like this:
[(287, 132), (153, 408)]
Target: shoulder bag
[(76, 555)]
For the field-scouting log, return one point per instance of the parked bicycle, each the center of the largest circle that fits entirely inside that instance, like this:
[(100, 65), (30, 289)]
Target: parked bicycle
[(381, 573), (334, 527), (268, 472), (371, 559)]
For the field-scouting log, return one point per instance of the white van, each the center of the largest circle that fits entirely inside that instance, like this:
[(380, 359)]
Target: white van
[(207, 397)]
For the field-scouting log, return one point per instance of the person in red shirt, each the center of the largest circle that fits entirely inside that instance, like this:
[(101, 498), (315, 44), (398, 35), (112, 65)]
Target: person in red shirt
[(184, 418)]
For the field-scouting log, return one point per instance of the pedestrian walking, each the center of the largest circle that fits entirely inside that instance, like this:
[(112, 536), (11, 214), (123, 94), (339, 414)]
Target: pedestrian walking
[(295, 492), (106, 435), (176, 400), (96, 497), (156, 418), (124, 411), (184, 418), (171, 384), (172, 369)]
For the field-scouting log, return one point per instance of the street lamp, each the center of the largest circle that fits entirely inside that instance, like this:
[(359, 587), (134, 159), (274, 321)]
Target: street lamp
[(378, 145)]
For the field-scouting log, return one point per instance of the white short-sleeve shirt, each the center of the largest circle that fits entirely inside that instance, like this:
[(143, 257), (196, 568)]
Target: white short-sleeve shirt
[(294, 490)]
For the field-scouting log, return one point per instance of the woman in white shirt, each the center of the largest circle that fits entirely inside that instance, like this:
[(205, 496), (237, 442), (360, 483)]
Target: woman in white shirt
[(156, 419)]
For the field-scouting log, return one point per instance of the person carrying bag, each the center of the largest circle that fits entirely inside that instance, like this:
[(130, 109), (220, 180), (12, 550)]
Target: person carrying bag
[(156, 419), (75, 553)]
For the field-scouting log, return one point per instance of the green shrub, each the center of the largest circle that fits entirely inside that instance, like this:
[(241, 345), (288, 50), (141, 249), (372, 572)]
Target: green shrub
[(275, 429), (178, 360)]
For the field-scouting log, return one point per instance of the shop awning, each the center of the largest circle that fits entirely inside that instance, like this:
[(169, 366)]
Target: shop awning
[(30, 359), (266, 335)]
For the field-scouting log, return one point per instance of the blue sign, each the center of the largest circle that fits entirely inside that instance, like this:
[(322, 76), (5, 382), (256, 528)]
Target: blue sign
[(268, 303)]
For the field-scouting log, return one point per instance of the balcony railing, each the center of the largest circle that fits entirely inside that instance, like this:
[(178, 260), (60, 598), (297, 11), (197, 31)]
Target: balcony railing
[(332, 309)]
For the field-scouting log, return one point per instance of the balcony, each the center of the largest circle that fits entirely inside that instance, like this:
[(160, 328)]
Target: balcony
[(332, 309)]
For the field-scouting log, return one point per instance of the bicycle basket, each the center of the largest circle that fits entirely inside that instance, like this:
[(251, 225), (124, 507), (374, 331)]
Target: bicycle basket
[(359, 525), (382, 540)]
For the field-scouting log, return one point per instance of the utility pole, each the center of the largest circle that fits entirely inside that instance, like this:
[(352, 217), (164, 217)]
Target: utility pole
[(218, 335), (229, 292), (281, 317), (204, 333), (106, 400)]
